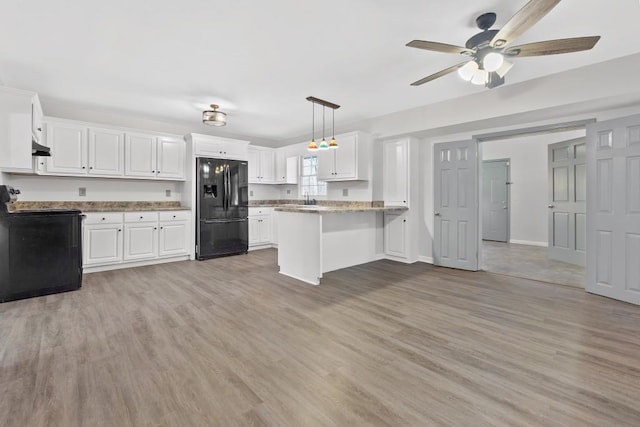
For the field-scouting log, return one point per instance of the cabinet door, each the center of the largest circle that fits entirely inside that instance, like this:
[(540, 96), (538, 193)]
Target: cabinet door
[(327, 164), (395, 174), (254, 166), (254, 231), (346, 159), (140, 155), (36, 119), (173, 238), (281, 167), (102, 244), (106, 152), (265, 229), (395, 238), (68, 145), (267, 166), (236, 151), (171, 153), (140, 241), (292, 170)]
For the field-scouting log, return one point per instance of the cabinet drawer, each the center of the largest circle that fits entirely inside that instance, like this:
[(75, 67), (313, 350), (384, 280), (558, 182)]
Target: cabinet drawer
[(140, 217), (175, 216), (103, 218), (260, 211)]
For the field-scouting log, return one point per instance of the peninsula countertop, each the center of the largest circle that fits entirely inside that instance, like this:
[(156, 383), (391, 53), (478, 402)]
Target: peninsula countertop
[(323, 209)]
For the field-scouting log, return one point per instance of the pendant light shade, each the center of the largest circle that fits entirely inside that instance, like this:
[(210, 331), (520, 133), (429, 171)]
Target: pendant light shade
[(333, 143), (324, 145), (214, 117)]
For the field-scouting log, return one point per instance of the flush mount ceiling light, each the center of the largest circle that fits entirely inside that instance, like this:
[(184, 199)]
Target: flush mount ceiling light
[(324, 145), (488, 49), (214, 117)]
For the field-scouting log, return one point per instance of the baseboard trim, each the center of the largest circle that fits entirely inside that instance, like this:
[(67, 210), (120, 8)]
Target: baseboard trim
[(426, 259), (98, 268), (529, 242), (299, 278)]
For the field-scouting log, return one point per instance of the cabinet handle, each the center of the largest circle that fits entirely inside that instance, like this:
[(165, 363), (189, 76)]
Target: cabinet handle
[(158, 172), (119, 229), (41, 163), (174, 216), (39, 129), (404, 220), (153, 171), (404, 201), (83, 167), (161, 228), (103, 219), (90, 167), (141, 217), (155, 228)]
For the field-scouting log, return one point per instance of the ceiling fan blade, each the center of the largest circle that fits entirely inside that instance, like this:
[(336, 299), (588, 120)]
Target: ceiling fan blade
[(524, 19), (553, 47), (438, 47), (439, 74)]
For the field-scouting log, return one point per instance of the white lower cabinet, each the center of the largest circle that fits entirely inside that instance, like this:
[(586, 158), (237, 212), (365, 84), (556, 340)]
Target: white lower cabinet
[(117, 238), (260, 226), (102, 239), (395, 235)]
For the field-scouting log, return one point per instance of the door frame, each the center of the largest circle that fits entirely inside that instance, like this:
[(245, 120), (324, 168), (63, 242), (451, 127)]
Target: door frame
[(480, 181), (508, 134)]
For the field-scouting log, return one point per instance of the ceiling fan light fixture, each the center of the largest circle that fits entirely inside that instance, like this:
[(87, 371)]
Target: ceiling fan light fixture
[(214, 117), (492, 61), (467, 71), (504, 68), (480, 77)]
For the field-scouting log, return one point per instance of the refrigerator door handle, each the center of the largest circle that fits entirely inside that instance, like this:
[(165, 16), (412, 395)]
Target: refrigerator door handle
[(222, 221)]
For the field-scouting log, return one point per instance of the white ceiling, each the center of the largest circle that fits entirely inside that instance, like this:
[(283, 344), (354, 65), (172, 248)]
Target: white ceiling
[(259, 60)]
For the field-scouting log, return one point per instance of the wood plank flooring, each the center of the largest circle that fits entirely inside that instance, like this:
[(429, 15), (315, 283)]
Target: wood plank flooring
[(230, 342)]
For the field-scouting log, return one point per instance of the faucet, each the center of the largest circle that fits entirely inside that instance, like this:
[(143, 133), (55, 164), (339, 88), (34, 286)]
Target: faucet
[(307, 201)]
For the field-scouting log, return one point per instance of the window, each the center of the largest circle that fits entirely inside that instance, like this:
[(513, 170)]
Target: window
[(309, 178)]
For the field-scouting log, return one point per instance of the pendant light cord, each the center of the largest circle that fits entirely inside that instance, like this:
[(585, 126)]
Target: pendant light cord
[(323, 109), (313, 121)]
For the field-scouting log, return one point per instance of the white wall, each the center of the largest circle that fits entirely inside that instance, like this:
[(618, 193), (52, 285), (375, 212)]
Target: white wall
[(51, 188), (264, 192), (529, 177)]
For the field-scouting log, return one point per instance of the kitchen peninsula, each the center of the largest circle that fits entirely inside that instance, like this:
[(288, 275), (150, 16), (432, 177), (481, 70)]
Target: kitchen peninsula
[(319, 238)]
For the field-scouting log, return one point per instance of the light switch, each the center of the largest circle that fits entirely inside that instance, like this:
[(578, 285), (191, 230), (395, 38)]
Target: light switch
[(82, 192), (167, 193), (345, 192)]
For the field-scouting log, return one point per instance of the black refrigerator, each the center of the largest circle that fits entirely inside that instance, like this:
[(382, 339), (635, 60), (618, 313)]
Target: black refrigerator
[(223, 208)]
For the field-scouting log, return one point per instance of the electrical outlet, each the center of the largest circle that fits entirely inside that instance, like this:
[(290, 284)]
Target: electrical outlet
[(345, 192), (167, 193), (82, 192), (288, 191), (250, 193)]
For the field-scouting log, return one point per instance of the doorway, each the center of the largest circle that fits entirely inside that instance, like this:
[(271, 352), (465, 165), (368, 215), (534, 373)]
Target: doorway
[(535, 193)]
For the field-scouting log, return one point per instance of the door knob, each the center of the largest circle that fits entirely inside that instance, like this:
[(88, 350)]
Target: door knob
[(437, 214), (550, 206)]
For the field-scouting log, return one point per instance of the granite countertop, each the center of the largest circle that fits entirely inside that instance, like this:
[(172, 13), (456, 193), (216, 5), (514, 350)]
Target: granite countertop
[(337, 209), (98, 206)]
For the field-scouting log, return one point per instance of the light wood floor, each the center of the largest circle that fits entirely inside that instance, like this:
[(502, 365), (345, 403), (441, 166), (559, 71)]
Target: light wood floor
[(231, 342), (530, 262)]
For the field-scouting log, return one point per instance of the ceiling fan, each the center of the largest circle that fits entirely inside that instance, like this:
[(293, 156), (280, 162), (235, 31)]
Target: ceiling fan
[(488, 49)]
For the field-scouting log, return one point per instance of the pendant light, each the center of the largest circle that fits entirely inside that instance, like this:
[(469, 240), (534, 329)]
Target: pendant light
[(214, 117), (333, 144), (312, 145), (324, 145)]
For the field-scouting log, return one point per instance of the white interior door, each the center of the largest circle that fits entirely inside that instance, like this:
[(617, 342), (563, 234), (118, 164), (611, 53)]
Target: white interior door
[(455, 243), (567, 201), (613, 209), (495, 200)]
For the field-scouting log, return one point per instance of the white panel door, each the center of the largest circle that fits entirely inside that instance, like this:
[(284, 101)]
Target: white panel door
[(68, 143), (567, 201), (455, 243), (171, 158), (140, 241), (613, 209), (140, 155), (495, 200), (106, 152), (102, 244), (346, 157), (395, 172), (173, 238), (395, 235)]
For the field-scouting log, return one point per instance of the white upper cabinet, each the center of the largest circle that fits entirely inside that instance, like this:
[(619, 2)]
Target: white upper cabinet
[(292, 170), (106, 152), (217, 147), (68, 143), (84, 149), (349, 162), (395, 172), (171, 157), (262, 168), (281, 166), (20, 123), (140, 155)]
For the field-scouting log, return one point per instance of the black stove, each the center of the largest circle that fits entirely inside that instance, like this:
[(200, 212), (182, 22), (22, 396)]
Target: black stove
[(40, 250)]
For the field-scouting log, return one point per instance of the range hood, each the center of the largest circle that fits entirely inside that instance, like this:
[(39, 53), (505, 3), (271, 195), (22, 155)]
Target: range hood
[(39, 150)]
